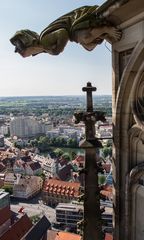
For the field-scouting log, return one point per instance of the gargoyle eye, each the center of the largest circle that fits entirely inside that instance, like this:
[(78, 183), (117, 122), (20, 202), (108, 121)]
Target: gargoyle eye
[(19, 45)]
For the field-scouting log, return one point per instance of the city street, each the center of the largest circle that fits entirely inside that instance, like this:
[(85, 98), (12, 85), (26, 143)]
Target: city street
[(34, 209)]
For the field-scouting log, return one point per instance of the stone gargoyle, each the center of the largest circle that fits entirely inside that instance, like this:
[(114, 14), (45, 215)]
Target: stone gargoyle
[(82, 25)]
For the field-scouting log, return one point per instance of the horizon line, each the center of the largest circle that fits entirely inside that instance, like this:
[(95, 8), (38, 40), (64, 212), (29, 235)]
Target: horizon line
[(69, 95)]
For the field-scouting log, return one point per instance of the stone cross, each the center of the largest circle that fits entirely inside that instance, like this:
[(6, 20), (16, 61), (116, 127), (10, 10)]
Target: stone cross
[(89, 89)]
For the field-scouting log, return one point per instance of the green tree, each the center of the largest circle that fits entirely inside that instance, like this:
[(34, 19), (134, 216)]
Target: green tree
[(109, 143), (16, 145), (58, 152), (35, 219), (62, 141), (8, 189), (107, 151), (73, 155), (101, 179), (42, 175), (71, 142), (66, 156), (53, 141), (34, 142), (43, 143), (8, 134)]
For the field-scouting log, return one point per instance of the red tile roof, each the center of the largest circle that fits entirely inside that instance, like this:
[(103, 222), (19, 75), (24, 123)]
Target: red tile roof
[(2, 166), (38, 230), (61, 187), (19, 163), (26, 158), (51, 234), (67, 236), (106, 194), (55, 235), (18, 229), (5, 214), (107, 191), (108, 237), (65, 172), (79, 160), (107, 167), (1, 183), (34, 165), (107, 188)]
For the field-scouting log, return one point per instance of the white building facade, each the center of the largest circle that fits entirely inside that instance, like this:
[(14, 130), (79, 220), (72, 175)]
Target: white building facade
[(24, 127), (26, 187)]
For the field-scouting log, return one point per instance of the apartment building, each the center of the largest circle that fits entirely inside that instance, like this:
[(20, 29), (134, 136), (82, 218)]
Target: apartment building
[(69, 214), (4, 198), (24, 127)]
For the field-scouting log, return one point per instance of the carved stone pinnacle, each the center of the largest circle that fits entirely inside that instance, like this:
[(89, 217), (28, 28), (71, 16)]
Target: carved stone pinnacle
[(89, 89)]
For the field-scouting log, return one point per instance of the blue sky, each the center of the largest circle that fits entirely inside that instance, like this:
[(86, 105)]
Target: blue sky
[(45, 74)]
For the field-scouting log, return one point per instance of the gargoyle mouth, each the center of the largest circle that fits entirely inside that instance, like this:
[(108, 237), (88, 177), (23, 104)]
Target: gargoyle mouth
[(19, 46)]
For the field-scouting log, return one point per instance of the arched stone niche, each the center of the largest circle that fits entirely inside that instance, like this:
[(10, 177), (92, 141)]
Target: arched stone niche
[(138, 101), (137, 216), (136, 139), (128, 137)]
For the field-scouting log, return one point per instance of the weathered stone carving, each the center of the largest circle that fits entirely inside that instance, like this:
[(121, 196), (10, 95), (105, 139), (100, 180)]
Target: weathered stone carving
[(133, 177), (138, 103), (94, 116), (83, 25), (138, 109)]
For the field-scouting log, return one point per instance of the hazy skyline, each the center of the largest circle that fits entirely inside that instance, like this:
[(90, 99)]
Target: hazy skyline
[(45, 74)]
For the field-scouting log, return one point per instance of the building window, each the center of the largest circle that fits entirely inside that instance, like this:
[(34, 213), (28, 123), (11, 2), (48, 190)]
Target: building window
[(123, 60)]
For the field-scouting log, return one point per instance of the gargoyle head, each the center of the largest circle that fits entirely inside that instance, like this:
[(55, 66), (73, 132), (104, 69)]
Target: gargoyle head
[(24, 39)]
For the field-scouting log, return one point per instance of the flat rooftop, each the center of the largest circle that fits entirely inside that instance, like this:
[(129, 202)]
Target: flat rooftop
[(69, 206), (3, 193)]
